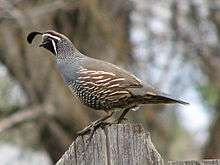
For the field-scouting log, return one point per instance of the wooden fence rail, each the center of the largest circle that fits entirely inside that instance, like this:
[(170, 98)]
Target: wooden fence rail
[(119, 144)]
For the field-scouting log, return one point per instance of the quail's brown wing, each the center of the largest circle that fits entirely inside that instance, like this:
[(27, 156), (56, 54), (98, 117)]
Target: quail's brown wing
[(107, 85), (112, 80), (114, 83)]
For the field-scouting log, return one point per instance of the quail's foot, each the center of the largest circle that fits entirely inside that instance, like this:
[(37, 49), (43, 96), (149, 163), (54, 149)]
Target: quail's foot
[(88, 128), (124, 119), (92, 127), (118, 121)]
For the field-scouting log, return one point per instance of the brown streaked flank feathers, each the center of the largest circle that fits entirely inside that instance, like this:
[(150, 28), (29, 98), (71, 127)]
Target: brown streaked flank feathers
[(106, 82)]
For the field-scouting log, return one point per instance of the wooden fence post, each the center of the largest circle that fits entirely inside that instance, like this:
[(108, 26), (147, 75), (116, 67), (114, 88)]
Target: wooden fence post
[(196, 162), (118, 144)]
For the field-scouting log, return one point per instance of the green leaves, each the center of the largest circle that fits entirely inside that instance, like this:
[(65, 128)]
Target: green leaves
[(210, 93)]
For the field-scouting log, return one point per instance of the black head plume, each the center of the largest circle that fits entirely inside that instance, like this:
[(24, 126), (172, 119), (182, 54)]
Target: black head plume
[(32, 35)]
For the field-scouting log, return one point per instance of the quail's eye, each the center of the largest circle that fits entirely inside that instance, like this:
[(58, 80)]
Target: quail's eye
[(47, 38)]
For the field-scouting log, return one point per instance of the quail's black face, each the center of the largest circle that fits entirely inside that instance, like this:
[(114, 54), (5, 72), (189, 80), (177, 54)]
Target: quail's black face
[(50, 40), (56, 43), (49, 44)]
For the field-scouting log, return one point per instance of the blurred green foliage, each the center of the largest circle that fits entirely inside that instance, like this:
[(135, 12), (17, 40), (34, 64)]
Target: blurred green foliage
[(210, 94)]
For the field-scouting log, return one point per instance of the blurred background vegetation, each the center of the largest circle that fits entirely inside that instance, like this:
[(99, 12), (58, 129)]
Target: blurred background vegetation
[(173, 44)]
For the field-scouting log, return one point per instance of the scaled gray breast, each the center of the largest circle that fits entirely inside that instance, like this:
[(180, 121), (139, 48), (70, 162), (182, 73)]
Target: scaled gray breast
[(68, 70)]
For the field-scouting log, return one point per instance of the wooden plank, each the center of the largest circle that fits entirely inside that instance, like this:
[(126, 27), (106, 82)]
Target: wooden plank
[(118, 144), (195, 162)]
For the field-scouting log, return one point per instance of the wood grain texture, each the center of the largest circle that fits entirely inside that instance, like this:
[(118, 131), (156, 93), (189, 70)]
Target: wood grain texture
[(121, 144), (194, 162)]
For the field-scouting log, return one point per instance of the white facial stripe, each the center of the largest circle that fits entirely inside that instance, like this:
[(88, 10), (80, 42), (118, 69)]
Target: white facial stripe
[(54, 46), (54, 37)]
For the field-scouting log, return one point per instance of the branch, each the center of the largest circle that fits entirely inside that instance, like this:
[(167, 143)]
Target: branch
[(22, 116), (45, 9), (8, 11)]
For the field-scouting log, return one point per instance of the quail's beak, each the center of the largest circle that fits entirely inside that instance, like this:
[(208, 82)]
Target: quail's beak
[(44, 43)]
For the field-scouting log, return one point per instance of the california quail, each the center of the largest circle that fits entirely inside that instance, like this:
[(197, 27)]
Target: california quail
[(99, 84)]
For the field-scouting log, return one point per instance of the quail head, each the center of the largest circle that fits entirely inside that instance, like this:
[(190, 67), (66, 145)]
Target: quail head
[(99, 84)]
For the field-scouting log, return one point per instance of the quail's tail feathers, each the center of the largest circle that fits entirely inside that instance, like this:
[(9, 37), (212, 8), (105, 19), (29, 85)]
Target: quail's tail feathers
[(163, 99)]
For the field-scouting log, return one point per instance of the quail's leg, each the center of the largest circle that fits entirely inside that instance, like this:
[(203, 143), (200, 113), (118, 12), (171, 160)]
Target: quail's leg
[(95, 124), (122, 117)]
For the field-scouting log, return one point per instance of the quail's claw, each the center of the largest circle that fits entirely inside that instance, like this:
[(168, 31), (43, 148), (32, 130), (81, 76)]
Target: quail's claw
[(124, 119), (117, 121), (83, 131), (88, 128), (92, 127), (96, 124)]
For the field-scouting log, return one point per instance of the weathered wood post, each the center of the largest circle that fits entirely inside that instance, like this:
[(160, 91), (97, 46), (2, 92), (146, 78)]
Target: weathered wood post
[(118, 144), (196, 162)]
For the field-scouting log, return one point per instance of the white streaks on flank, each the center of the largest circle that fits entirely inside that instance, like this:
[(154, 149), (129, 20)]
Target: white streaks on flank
[(97, 78), (83, 78), (88, 77), (54, 37), (82, 69), (107, 91), (94, 72), (100, 91), (118, 92), (118, 79), (102, 72), (89, 88), (90, 83), (103, 81), (96, 88), (87, 71), (151, 93), (137, 79), (105, 84), (113, 85)]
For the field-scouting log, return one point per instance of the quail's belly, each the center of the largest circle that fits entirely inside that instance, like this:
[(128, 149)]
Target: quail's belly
[(94, 99)]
